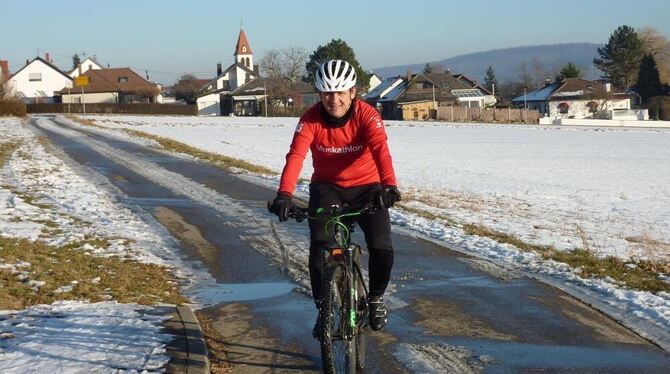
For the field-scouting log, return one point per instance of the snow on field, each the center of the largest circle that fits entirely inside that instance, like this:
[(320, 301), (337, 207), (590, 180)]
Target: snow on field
[(44, 197), (605, 189)]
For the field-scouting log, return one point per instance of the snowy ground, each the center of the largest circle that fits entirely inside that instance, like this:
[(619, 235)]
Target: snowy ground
[(72, 204), (546, 185), (605, 189), (535, 182)]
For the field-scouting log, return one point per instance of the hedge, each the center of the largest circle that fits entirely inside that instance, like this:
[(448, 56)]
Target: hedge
[(109, 108), (12, 108)]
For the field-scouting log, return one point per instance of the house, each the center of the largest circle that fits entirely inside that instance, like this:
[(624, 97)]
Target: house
[(112, 85), (86, 65), (414, 97), (248, 99), (38, 81), (579, 98), (375, 80), (490, 98), (209, 98), (375, 95)]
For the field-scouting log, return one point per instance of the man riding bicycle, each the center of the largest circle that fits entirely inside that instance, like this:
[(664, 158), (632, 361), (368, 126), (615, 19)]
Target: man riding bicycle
[(352, 164)]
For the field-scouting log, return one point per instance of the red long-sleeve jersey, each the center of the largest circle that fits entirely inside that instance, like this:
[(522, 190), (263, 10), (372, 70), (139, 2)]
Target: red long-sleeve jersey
[(354, 154)]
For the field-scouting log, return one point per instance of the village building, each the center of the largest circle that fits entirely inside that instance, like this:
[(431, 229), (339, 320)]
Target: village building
[(39, 81), (579, 98), (86, 65), (214, 98), (112, 85)]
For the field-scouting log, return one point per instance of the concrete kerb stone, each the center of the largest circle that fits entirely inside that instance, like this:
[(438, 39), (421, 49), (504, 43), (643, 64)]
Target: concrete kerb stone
[(188, 350)]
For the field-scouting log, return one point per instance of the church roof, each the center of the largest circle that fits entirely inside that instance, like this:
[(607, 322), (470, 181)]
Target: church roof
[(243, 47)]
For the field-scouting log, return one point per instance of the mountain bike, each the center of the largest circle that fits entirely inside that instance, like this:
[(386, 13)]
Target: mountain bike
[(343, 313)]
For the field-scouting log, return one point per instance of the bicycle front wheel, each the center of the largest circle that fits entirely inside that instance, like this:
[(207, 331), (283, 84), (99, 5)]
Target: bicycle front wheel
[(337, 352)]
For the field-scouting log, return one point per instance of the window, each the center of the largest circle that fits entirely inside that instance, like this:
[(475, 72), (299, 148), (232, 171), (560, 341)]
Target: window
[(35, 77), (123, 79), (563, 107), (244, 49)]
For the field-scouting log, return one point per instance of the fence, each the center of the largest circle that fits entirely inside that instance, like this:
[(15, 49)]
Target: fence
[(109, 108), (507, 115)]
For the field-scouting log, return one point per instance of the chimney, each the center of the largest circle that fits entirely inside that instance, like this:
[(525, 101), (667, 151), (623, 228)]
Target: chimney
[(547, 82), (46, 57), (4, 70), (256, 70), (27, 62), (409, 75), (218, 69)]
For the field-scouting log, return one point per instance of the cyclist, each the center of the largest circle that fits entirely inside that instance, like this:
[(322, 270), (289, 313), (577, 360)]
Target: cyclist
[(352, 164)]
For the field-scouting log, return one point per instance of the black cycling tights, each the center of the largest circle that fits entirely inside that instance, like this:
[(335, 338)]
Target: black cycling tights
[(376, 227)]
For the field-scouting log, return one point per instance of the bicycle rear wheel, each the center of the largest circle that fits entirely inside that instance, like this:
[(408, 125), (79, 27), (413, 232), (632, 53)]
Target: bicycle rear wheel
[(337, 353)]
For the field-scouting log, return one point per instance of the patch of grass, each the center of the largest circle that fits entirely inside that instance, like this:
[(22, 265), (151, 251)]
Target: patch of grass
[(638, 275), (6, 149), (97, 278), (171, 145), (642, 275)]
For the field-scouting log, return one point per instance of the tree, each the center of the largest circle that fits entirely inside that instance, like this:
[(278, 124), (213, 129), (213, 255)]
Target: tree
[(186, 88), (75, 61), (432, 69), (648, 83), (659, 47), (524, 76), (284, 63), (620, 58), (569, 71), (490, 79), (336, 49)]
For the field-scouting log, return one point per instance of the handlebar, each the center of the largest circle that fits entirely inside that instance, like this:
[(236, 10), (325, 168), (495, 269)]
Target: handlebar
[(335, 211)]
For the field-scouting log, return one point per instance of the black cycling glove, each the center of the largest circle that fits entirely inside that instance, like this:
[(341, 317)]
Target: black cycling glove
[(281, 206), (390, 196)]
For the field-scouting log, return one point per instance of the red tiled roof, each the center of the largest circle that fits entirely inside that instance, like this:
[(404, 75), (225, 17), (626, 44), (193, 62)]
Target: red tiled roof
[(114, 80), (242, 42)]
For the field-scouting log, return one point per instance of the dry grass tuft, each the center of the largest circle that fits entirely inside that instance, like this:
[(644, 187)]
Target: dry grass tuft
[(97, 278)]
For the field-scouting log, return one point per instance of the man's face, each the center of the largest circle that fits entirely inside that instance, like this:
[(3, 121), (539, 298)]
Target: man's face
[(338, 103)]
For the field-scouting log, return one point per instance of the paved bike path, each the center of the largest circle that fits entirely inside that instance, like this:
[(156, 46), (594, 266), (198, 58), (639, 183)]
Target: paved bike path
[(462, 313)]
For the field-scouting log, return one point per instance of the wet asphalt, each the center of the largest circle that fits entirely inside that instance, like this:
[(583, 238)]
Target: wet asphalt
[(502, 322)]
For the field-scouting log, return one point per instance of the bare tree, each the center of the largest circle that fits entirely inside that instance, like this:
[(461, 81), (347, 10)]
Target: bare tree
[(524, 76), (284, 63), (541, 73), (659, 47), (294, 62)]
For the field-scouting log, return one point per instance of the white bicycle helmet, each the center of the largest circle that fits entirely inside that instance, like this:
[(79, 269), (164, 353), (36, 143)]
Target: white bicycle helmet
[(335, 76)]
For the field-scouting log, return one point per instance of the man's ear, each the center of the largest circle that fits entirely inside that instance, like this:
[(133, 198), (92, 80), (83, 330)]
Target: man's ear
[(352, 92)]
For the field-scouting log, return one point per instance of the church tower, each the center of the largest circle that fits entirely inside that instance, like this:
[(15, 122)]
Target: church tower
[(243, 54)]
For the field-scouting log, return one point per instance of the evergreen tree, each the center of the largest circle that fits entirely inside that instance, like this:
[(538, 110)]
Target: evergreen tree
[(75, 61), (649, 81), (620, 58), (336, 49), (490, 79), (569, 71)]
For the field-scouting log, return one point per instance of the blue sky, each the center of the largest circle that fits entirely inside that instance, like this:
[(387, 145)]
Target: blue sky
[(170, 38)]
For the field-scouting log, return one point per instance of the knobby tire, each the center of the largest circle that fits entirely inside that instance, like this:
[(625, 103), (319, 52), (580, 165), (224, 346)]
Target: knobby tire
[(338, 355)]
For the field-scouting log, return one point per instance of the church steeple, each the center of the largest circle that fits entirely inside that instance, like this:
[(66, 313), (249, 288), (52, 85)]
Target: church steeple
[(243, 54)]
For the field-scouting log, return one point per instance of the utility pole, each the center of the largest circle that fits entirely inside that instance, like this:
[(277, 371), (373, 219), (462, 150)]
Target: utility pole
[(525, 106)]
